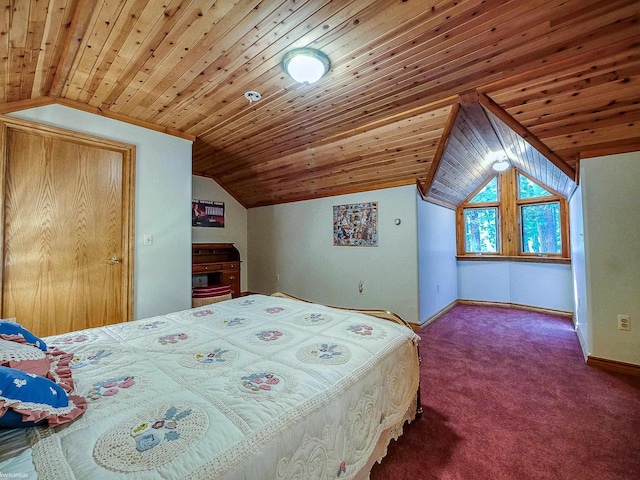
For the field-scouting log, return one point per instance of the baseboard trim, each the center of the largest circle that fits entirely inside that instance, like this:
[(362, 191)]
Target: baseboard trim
[(435, 316), (551, 311), (484, 303), (614, 366), (583, 344)]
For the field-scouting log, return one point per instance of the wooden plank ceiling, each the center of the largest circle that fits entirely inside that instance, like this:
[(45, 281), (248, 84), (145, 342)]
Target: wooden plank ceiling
[(563, 73), (479, 137)]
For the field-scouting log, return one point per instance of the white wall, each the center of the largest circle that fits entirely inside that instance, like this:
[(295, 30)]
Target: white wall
[(611, 214), (437, 269), (486, 281), (295, 241), (543, 285), (578, 267), (162, 271), (235, 227)]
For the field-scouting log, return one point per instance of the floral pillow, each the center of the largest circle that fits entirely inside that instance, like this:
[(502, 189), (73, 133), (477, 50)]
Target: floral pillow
[(17, 333), (27, 400)]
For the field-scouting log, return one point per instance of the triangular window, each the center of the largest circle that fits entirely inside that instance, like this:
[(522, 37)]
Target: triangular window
[(488, 193), (530, 189)]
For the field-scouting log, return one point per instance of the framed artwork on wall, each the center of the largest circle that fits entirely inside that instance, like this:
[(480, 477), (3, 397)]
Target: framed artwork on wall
[(355, 225), (206, 213)]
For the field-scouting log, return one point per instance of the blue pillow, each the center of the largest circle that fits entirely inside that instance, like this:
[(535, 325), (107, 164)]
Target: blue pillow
[(23, 393), (11, 329)]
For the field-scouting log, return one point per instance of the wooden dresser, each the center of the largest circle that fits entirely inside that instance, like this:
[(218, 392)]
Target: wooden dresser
[(215, 264)]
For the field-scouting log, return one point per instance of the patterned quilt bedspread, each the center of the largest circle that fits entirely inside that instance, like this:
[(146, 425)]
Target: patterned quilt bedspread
[(252, 388)]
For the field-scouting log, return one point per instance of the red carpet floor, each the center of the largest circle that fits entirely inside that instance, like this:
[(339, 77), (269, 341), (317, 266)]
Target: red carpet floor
[(507, 395)]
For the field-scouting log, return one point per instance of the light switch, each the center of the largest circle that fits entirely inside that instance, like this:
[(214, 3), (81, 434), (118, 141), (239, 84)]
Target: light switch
[(148, 240)]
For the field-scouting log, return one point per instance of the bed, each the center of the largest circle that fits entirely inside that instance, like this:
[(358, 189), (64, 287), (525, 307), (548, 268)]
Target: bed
[(258, 387)]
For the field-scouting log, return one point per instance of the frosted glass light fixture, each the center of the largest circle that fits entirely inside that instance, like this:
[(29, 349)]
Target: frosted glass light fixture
[(499, 161), (501, 165), (306, 65)]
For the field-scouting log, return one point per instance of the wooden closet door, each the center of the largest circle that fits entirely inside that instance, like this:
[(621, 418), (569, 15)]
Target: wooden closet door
[(65, 238)]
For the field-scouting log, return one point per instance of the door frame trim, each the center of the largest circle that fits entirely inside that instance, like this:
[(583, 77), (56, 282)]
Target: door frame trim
[(128, 152)]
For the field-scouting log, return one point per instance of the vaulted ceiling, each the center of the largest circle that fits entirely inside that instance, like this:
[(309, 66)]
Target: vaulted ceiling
[(407, 78), (480, 134)]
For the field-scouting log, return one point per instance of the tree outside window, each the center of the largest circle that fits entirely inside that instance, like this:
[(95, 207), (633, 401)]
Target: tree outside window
[(488, 193), (513, 215), (481, 227), (541, 231)]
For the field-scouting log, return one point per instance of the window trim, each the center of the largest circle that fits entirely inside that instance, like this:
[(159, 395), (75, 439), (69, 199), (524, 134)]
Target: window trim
[(505, 258), (483, 206), (509, 220), (521, 206)]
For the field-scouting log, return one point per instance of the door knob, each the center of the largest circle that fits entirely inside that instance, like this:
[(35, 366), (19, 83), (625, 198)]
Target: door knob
[(115, 260)]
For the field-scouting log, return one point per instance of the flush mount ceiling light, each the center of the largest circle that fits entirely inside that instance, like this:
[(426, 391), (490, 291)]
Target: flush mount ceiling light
[(501, 165), (499, 161), (306, 65)]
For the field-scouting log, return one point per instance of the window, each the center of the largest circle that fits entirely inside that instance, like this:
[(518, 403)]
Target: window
[(488, 193), (529, 189), (481, 221), (481, 230), (540, 222), (541, 228), (513, 215)]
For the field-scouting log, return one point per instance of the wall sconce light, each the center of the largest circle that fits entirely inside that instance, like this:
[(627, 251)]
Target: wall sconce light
[(306, 65)]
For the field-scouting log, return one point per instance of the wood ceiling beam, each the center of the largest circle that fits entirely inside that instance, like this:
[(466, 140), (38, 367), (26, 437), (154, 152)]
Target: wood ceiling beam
[(44, 101), (123, 118), (25, 104), (468, 98), (437, 157), (632, 145), (522, 131)]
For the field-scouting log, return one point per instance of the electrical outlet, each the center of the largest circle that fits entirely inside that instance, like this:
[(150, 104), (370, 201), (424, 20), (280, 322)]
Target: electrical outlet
[(624, 322), (361, 287)]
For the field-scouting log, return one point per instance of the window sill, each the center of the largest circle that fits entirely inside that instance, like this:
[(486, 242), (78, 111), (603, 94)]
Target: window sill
[(504, 258)]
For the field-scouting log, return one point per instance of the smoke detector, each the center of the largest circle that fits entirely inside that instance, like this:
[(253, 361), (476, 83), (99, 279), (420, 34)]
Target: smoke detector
[(253, 96)]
